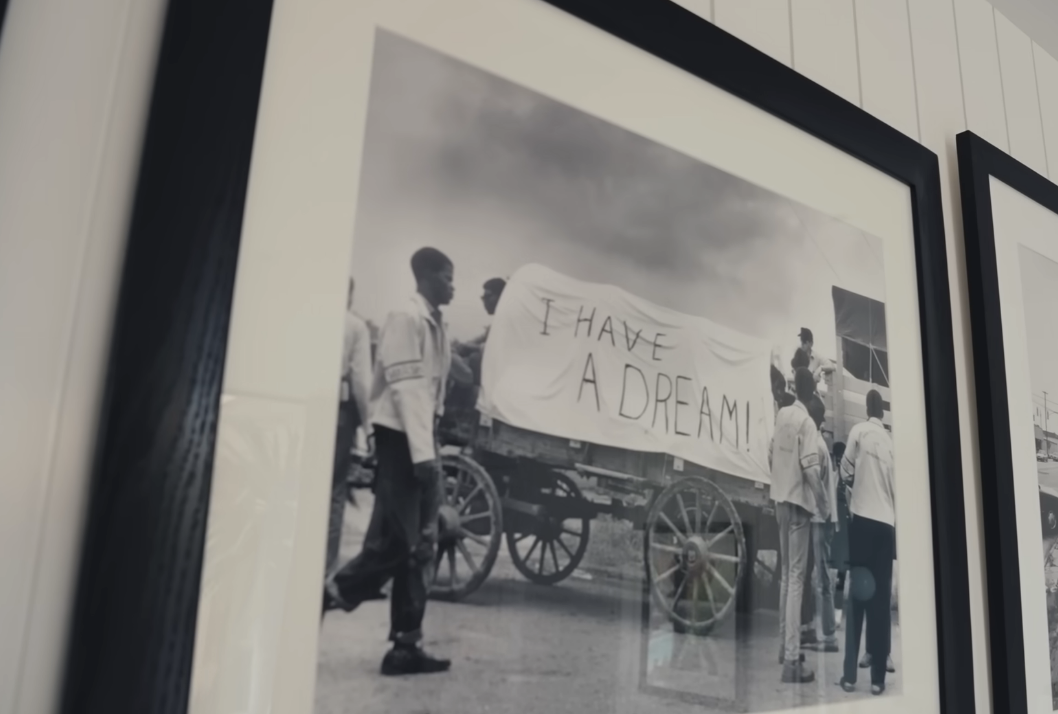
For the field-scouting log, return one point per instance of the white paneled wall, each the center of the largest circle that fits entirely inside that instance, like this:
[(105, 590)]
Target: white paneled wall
[(76, 95), (75, 79), (930, 68)]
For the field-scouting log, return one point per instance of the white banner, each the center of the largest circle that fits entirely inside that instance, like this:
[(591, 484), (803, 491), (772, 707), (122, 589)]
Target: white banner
[(594, 363)]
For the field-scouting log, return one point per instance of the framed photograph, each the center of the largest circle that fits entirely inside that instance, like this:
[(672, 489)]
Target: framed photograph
[(1010, 215), (581, 357)]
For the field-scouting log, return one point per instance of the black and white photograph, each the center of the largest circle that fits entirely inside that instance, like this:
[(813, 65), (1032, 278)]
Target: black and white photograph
[(608, 414), (1039, 284)]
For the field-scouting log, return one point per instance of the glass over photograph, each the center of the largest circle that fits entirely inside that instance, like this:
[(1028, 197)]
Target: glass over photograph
[(614, 429), (1039, 285)]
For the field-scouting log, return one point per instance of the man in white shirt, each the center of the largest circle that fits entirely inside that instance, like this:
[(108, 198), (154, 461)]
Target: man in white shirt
[(824, 625), (868, 465), (472, 351), (407, 399), (352, 414), (798, 495)]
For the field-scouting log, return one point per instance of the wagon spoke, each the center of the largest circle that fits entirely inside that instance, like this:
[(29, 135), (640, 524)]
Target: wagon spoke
[(683, 512), (452, 567), (466, 556), (470, 498), (709, 592), (554, 556), (709, 520), (679, 592), (476, 538), (564, 547), (676, 531), (722, 579), (694, 596), (723, 557), (476, 517), (531, 549), (667, 574), (567, 531), (543, 553), (720, 535), (523, 536), (666, 548)]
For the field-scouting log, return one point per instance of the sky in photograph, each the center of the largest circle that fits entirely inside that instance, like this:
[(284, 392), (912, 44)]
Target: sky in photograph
[(497, 176), (1039, 286)]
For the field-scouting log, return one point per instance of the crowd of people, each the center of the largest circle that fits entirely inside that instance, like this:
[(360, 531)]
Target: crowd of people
[(836, 517), (834, 506)]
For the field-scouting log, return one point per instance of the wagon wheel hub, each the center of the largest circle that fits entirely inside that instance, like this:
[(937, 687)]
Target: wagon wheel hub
[(449, 523), (695, 555)]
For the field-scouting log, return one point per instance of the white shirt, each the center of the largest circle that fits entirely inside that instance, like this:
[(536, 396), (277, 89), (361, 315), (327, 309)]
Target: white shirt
[(408, 391), (868, 460), (828, 475), (794, 458)]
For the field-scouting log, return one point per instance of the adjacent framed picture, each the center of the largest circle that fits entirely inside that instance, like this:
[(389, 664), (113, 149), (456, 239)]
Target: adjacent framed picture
[(1010, 216), (581, 357)]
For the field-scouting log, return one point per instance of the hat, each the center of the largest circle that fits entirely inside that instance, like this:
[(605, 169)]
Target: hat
[(806, 335)]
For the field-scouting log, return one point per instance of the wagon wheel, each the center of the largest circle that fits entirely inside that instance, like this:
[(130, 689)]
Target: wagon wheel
[(548, 549), (469, 529), (695, 554)]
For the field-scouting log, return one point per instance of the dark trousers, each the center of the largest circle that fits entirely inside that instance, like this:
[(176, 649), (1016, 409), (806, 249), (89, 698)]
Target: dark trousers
[(348, 423), (400, 540), (872, 547)]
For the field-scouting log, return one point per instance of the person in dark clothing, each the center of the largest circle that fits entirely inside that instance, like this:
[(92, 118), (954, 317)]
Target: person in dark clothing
[(839, 549), (407, 399), (868, 465), (779, 389)]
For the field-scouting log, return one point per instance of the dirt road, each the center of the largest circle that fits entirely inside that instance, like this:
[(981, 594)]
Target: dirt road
[(578, 647)]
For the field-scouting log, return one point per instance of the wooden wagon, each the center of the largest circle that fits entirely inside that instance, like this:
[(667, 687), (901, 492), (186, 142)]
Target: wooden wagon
[(701, 529)]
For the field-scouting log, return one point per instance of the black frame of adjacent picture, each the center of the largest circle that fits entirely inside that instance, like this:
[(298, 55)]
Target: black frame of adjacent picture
[(134, 617), (979, 160)]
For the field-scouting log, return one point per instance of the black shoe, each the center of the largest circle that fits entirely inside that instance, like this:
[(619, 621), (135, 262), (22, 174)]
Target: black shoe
[(889, 666), (333, 600), (809, 638), (799, 673), (800, 658), (877, 689), (412, 660), (847, 685), (865, 661)]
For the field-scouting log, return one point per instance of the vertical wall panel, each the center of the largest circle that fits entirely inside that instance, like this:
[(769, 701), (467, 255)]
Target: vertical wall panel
[(824, 45), (887, 73), (941, 117), (1019, 93), (981, 82), (702, 8), (1047, 86), (765, 24)]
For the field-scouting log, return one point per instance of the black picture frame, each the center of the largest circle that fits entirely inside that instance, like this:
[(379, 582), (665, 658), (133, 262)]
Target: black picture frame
[(978, 161), (134, 622)]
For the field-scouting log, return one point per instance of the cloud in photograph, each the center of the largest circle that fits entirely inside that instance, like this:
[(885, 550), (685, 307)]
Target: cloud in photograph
[(497, 175)]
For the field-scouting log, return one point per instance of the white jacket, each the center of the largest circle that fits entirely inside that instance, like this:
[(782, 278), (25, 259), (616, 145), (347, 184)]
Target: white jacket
[(411, 368)]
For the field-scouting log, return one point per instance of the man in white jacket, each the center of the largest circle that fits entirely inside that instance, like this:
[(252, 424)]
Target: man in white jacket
[(407, 399)]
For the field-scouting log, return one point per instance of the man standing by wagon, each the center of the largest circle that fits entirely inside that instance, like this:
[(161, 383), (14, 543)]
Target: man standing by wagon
[(824, 621), (868, 465), (817, 365), (798, 496), (407, 398), (473, 350)]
